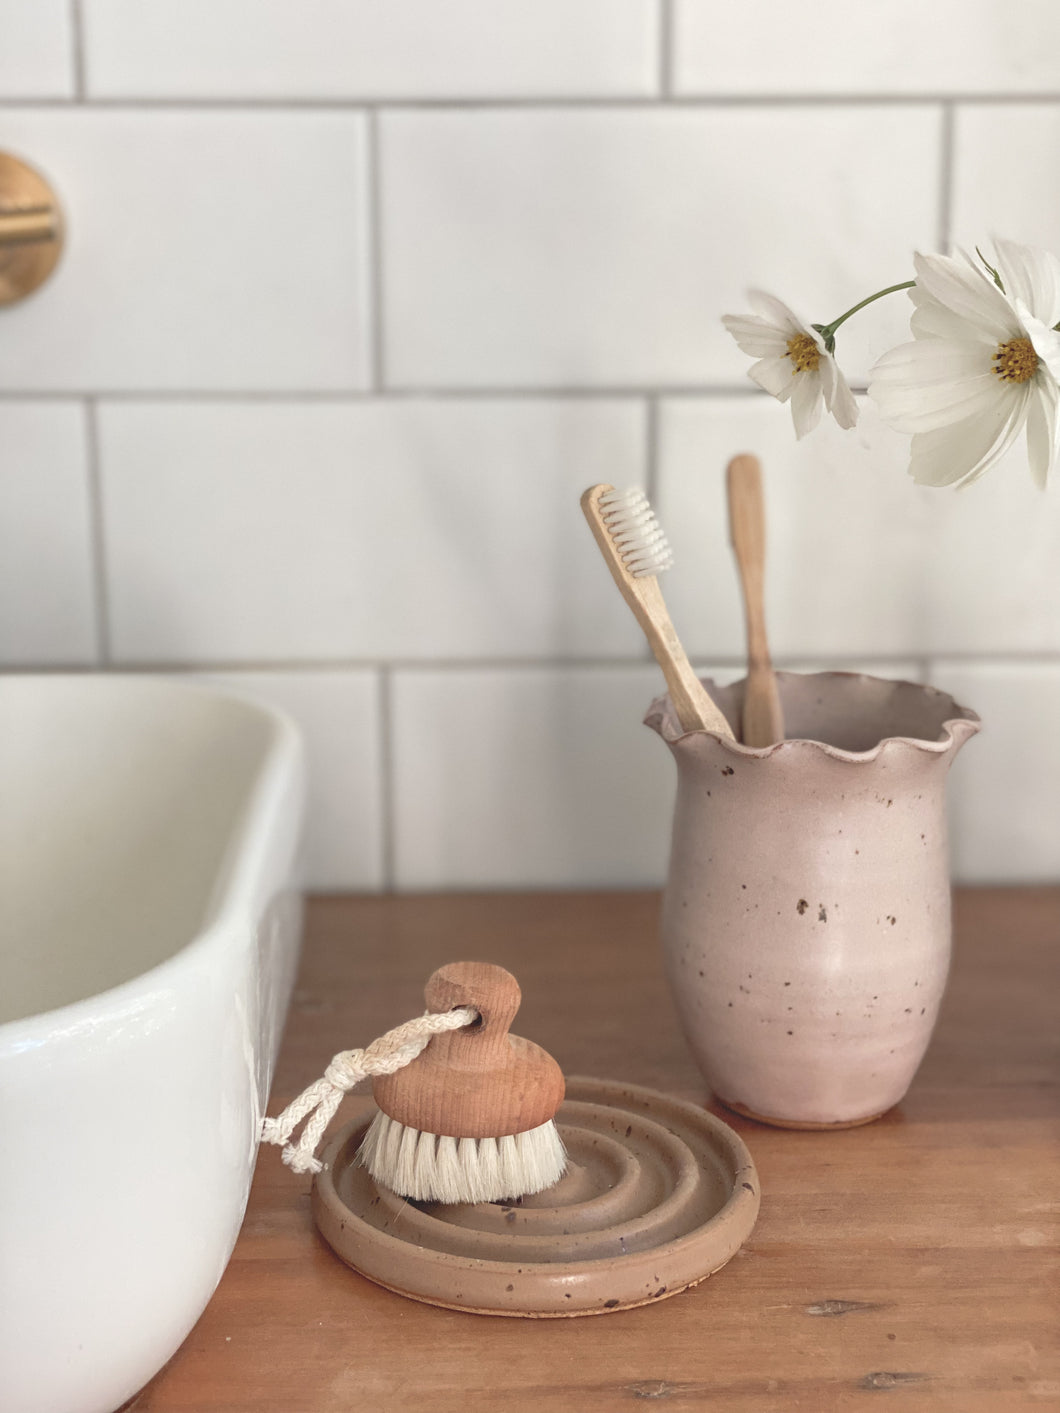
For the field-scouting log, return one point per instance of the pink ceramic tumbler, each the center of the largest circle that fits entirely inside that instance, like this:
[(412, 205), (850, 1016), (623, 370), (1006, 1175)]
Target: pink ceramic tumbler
[(806, 917)]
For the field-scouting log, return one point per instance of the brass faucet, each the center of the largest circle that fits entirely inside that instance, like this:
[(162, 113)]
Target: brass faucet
[(26, 225), (31, 229)]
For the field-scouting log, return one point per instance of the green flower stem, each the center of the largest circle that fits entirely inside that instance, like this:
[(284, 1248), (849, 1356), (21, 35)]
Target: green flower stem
[(827, 331)]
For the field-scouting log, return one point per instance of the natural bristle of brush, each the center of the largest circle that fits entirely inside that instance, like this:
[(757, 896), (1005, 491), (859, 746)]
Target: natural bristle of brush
[(430, 1167), (638, 537), (471, 1119)]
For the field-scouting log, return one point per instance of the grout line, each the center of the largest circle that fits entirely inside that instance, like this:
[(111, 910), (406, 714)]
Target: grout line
[(651, 449), (543, 393), (547, 102), (946, 151), (388, 819), (77, 42), (373, 280), (97, 534), (391, 666), (666, 48)]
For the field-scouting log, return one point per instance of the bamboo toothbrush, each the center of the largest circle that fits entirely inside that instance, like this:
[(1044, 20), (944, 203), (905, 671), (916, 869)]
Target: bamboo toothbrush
[(636, 550), (472, 1119), (763, 718)]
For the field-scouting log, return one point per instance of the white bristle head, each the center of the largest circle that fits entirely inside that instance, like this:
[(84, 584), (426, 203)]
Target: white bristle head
[(635, 532), (428, 1168)]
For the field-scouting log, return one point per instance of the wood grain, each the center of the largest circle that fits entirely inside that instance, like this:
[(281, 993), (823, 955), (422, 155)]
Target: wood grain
[(695, 708), (477, 1083), (911, 1264), (762, 716)]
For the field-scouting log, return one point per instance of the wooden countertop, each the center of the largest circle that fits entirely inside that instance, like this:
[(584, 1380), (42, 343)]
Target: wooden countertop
[(916, 1257)]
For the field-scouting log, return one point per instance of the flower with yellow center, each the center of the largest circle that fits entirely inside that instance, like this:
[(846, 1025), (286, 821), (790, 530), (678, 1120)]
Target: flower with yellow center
[(984, 363), (793, 363)]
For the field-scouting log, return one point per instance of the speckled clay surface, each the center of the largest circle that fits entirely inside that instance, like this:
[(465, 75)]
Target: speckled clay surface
[(658, 1195), (806, 917)]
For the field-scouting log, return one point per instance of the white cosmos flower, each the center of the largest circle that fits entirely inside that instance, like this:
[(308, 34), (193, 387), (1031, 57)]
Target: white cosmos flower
[(984, 364), (793, 363)]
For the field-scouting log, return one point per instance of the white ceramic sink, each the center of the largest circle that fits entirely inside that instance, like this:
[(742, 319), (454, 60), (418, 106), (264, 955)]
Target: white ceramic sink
[(149, 927)]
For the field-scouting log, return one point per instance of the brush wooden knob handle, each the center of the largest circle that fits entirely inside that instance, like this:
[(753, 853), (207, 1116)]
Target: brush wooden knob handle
[(493, 992), (478, 1082)]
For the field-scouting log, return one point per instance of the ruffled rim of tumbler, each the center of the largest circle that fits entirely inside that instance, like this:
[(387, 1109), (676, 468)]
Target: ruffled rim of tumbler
[(953, 724)]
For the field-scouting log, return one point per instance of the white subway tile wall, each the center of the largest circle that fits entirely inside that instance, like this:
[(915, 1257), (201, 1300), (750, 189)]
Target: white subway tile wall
[(1003, 153), (357, 298), (207, 250), (338, 49), (597, 247), (1003, 792), (365, 530), (37, 58), (535, 775), (876, 46), (48, 599), (339, 715)]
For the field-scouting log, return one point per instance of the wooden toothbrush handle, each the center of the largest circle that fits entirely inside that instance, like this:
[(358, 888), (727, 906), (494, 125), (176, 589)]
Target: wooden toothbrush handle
[(763, 720), (696, 710), (747, 530)]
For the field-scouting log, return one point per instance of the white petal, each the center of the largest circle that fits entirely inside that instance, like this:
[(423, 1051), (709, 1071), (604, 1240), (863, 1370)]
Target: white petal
[(969, 294), (1031, 276), (775, 311), (1015, 425), (755, 336), (933, 383), (930, 319), (775, 375), (964, 450), (932, 461), (828, 372), (1043, 426), (936, 360), (843, 406), (1046, 343), (925, 409), (837, 395), (806, 403)]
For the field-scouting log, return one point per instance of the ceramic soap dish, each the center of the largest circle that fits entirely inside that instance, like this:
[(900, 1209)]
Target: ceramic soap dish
[(658, 1195)]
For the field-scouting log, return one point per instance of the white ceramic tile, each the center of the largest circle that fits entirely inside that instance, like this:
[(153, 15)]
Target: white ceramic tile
[(875, 46), (1005, 787), (205, 250), (47, 602), (36, 49), (601, 247), (361, 48), (862, 564), (994, 552), (405, 528), (338, 715), (1006, 156), (529, 777)]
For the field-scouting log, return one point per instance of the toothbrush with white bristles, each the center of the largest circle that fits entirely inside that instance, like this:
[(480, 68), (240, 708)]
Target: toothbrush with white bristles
[(636, 550)]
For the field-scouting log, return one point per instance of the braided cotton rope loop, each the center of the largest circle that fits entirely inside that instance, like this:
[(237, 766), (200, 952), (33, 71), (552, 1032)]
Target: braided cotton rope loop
[(390, 1053)]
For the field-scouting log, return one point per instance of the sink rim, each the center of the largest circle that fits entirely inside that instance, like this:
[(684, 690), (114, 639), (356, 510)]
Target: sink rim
[(233, 898)]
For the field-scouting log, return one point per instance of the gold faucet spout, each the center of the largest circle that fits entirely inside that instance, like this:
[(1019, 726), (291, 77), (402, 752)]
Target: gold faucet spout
[(31, 229)]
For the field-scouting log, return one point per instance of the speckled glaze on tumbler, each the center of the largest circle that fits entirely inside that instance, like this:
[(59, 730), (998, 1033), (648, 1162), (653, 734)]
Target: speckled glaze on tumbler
[(806, 916)]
